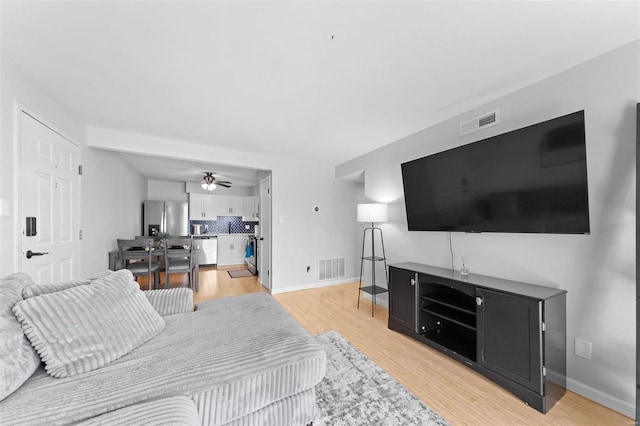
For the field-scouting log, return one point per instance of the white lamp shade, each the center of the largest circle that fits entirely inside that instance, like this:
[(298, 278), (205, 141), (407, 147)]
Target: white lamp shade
[(373, 212)]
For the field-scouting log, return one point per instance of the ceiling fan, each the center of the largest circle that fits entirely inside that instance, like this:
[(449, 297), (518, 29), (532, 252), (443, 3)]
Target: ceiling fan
[(209, 182)]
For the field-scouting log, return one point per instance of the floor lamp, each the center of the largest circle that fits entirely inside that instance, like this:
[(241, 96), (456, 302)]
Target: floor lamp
[(371, 213)]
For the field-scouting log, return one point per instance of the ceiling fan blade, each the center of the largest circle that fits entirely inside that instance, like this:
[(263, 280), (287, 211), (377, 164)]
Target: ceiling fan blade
[(223, 181), (225, 185)]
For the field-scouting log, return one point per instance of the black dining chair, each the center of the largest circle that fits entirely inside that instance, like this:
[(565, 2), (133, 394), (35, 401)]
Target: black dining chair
[(179, 257), (140, 257)]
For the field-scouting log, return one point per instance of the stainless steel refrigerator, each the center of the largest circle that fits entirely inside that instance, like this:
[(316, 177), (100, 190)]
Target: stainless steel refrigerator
[(165, 216)]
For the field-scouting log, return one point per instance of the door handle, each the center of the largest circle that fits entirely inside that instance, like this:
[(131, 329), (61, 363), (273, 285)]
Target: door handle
[(30, 254)]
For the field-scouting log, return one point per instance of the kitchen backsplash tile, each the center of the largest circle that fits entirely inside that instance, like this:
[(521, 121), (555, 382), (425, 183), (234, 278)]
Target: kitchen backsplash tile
[(221, 226)]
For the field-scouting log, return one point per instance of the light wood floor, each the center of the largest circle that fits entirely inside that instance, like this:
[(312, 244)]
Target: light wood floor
[(456, 392)]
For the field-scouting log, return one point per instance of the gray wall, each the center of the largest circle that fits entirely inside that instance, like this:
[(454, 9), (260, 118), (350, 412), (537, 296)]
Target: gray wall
[(598, 270)]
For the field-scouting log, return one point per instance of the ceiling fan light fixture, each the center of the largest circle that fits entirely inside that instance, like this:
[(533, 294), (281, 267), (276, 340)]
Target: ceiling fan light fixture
[(207, 182)]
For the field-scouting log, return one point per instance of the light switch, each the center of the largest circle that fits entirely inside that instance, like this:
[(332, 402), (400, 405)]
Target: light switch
[(281, 219), (582, 348), (4, 207)]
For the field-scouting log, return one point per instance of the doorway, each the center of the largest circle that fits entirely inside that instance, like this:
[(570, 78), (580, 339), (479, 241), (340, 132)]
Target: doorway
[(264, 239)]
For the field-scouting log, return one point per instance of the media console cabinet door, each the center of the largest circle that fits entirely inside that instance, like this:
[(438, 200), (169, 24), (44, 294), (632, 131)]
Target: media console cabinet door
[(402, 297), (510, 337)]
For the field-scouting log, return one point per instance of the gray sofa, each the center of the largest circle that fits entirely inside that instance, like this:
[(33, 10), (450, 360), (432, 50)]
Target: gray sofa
[(100, 351)]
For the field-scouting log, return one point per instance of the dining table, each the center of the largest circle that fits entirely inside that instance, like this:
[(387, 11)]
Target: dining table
[(115, 262)]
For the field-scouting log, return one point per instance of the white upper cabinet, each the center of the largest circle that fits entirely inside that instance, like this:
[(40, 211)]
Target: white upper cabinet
[(221, 204), (202, 207), (228, 205), (235, 206), (250, 209), (209, 207), (195, 207)]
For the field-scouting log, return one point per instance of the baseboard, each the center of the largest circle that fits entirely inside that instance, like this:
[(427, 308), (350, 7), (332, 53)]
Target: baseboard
[(623, 407), (314, 285), (381, 300)]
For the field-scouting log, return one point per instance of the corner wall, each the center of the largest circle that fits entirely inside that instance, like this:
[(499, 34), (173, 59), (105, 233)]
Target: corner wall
[(110, 191), (597, 270), (112, 198)]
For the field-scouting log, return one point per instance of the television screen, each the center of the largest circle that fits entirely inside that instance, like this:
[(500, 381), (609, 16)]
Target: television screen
[(531, 180)]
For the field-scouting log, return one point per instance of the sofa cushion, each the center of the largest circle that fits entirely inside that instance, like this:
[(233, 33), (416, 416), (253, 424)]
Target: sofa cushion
[(177, 410), (34, 290), (18, 359), (232, 356), (88, 326), (171, 301)]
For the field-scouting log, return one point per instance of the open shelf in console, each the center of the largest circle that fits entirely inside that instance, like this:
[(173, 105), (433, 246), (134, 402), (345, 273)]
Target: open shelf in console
[(457, 340), (447, 316), (452, 298), (461, 318)]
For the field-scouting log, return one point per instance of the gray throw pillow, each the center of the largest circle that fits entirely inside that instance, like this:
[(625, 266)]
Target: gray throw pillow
[(38, 289), (18, 359), (88, 326)]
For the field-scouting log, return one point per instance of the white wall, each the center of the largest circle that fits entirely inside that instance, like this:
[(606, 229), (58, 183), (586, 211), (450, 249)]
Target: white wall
[(112, 198), (160, 190), (194, 187), (16, 90), (303, 236), (111, 192), (597, 270)]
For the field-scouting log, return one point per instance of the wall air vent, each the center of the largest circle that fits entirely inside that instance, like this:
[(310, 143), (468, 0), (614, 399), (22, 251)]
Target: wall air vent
[(330, 269), (480, 122)]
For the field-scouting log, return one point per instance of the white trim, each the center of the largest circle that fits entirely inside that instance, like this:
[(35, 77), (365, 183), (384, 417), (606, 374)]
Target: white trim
[(379, 301), (617, 404), (313, 285), (17, 200)]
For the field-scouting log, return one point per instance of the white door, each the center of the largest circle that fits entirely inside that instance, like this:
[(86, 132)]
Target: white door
[(264, 240), (50, 199)]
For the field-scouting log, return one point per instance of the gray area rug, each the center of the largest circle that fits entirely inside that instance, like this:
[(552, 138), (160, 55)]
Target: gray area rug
[(356, 391)]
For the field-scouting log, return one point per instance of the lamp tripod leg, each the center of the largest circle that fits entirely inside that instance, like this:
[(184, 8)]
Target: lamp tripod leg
[(364, 235)]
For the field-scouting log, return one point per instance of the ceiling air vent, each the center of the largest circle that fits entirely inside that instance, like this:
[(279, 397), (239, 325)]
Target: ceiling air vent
[(480, 122)]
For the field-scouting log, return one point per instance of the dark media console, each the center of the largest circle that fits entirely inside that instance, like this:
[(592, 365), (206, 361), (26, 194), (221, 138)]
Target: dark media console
[(511, 332)]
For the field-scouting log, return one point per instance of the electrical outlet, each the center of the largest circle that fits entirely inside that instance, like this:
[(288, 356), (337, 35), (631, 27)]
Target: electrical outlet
[(247, 227), (582, 348)]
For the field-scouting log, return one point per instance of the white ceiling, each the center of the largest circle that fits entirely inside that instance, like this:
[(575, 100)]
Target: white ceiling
[(170, 169), (329, 80)]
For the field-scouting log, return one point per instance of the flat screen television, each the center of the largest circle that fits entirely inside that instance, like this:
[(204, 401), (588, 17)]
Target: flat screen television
[(530, 180)]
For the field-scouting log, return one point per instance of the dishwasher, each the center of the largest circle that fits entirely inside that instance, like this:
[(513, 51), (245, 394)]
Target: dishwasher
[(207, 251)]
